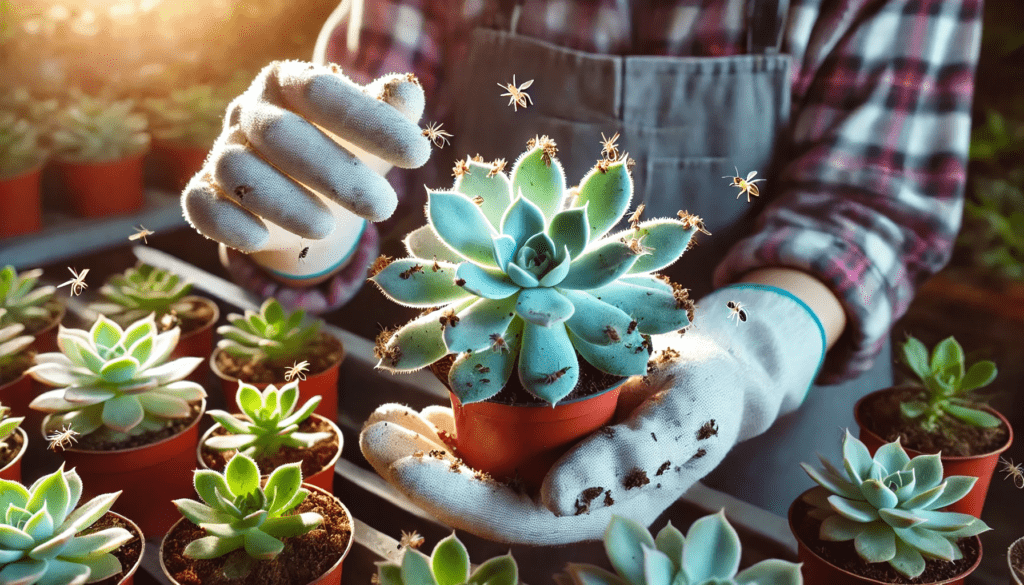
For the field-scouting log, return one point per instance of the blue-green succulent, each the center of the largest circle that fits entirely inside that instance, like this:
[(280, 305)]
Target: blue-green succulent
[(890, 506), (516, 269), (447, 565), (709, 554)]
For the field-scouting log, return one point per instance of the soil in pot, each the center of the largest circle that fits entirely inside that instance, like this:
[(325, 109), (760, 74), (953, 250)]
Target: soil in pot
[(11, 449), (93, 443), (304, 560), (324, 353), (881, 414), (844, 556), (1015, 555), (129, 553), (313, 459)]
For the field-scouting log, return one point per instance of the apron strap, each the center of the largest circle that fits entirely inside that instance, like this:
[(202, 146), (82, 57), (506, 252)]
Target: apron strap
[(766, 21)]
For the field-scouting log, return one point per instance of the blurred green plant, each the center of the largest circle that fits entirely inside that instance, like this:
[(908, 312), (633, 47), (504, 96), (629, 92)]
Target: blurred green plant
[(994, 230), (97, 129), (191, 116), (21, 148)]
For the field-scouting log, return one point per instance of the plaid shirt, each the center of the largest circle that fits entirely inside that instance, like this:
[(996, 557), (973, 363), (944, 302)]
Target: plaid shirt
[(870, 201)]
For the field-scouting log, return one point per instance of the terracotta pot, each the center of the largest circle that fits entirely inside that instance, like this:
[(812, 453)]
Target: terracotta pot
[(323, 479), (17, 394), (323, 384), (198, 342), (20, 198), (103, 188), (129, 573), (150, 476), (818, 571), (505, 440), (46, 338), (979, 466), (12, 471), (331, 577), (176, 163), (1017, 576)]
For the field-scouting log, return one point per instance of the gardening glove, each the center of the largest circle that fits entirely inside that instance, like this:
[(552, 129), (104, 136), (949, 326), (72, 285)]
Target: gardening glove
[(278, 159), (725, 379)]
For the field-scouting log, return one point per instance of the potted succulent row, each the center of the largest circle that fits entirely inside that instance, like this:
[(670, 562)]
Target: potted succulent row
[(184, 124), (249, 530), (135, 415), (448, 564), (31, 305), (48, 539), (940, 415), (144, 289), (533, 313), (13, 443), (272, 347), (98, 149), (272, 432), (21, 161), (15, 359), (880, 519)]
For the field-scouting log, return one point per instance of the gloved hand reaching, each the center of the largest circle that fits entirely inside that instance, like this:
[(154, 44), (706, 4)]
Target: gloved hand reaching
[(751, 355)]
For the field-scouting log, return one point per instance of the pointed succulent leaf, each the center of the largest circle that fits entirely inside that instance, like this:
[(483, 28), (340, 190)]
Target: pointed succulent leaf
[(876, 544), (417, 344), (504, 248), (292, 525), (599, 266), (836, 528), (105, 333), (450, 561), (945, 521), (123, 413), (892, 457), (282, 485), (623, 542), (207, 483), (543, 306), (486, 283), (477, 323), (520, 276), (389, 574), (480, 375), (856, 457), (658, 568), (915, 355), (88, 513), (496, 571), (26, 572), (608, 193), (461, 226), (97, 543), (548, 367), (417, 283), (771, 572), (627, 358), (424, 243), (261, 546), (416, 568), (979, 375), (200, 513), (522, 220), (712, 549), (948, 354), (671, 542), (597, 322), (897, 518), (651, 302), (582, 574), (878, 495), (832, 483), (957, 486), (212, 547), (242, 475), (664, 239), (907, 561), (494, 189), (571, 229), (539, 176), (857, 511), (927, 471), (926, 542)]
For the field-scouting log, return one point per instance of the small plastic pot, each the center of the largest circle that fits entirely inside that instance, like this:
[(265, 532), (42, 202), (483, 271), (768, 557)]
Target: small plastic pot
[(12, 471), (1018, 575), (507, 440), (979, 466), (46, 338), (817, 570), (198, 342), (177, 163), (324, 384), (323, 479), (99, 189), (331, 577), (129, 573), (149, 476), (20, 198)]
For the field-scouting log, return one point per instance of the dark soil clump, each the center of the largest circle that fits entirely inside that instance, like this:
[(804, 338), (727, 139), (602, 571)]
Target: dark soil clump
[(881, 414), (313, 459), (93, 443), (323, 353), (304, 559), (844, 555), (128, 553)]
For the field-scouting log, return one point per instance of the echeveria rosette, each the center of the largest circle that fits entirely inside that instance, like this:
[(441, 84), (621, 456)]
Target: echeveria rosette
[(116, 382), (38, 533), (518, 267), (12, 343), (8, 424), (273, 335), (237, 513), (273, 422), (448, 564), (889, 505), (709, 554), (20, 296), (142, 290)]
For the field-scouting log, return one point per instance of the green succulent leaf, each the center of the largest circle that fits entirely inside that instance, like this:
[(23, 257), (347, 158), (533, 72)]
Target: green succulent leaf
[(480, 375), (664, 239), (590, 575), (651, 302), (876, 544), (540, 179), (607, 193), (979, 375), (611, 359), (461, 225), (416, 569), (496, 571), (450, 562), (892, 457), (915, 355), (957, 486), (658, 567), (477, 323), (914, 409), (419, 343), (597, 322), (242, 475), (548, 367), (423, 242), (571, 229), (771, 572), (948, 357), (712, 549), (624, 540), (494, 189), (417, 283), (486, 283), (973, 416)]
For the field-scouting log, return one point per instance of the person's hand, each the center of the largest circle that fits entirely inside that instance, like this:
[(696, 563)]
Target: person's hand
[(724, 380), (275, 160)]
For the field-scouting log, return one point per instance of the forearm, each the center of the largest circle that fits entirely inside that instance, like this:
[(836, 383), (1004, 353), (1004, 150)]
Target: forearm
[(822, 301)]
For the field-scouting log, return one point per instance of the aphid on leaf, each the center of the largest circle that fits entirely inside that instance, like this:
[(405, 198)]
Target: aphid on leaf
[(612, 333), (141, 233), (461, 168), (497, 165), (737, 312), (406, 274), (746, 185), (517, 96), (634, 219), (498, 343), (609, 148), (554, 376), (1013, 471), (411, 540), (297, 371), (481, 368), (77, 283), (436, 266), (434, 133), (241, 191), (62, 438)]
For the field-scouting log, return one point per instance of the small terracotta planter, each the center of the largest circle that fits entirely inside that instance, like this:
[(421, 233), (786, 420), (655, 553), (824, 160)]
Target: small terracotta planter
[(818, 571), (323, 479), (12, 471), (17, 394), (1015, 559), (46, 338), (20, 198), (330, 577), (176, 163), (150, 476), (132, 567), (979, 466), (103, 188), (198, 342), (324, 384), (507, 440)]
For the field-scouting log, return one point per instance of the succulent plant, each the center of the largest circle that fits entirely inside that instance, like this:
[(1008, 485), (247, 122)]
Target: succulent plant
[(519, 267), (142, 290), (193, 115), (273, 421), (889, 505), (7, 425), (239, 514), (116, 382), (41, 529), (709, 554), (948, 383), (93, 129), (447, 565), (12, 343), (273, 335), (20, 296), (21, 147)]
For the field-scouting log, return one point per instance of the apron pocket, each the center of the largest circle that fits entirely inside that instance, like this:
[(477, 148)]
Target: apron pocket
[(693, 184)]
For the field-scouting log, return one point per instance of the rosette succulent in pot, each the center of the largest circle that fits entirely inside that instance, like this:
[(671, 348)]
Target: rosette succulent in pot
[(12, 348), (21, 147), (448, 565), (21, 298), (192, 116), (95, 129), (115, 382), (521, 273), (273, 335), (891, 506), (142, 290)]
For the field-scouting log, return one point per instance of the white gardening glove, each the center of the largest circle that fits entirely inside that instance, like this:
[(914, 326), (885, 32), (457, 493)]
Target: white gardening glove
[(732, 378), (274, 139)]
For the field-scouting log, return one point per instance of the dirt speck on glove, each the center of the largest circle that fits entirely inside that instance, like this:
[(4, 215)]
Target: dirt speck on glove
[(636, 478)]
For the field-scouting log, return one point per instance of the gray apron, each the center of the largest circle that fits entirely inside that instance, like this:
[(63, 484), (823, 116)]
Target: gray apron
[(687, 122)]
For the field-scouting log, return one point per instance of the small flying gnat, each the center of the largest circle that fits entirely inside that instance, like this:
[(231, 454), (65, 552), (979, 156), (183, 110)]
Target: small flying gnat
[(303, 253), (1013, 471), (297, 371), (737, 311), (517, 96), (498, 343), (141, 233), (434, 133), (62, 438), (411, 540), (746, 185), (609, 146), (77, 283)]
